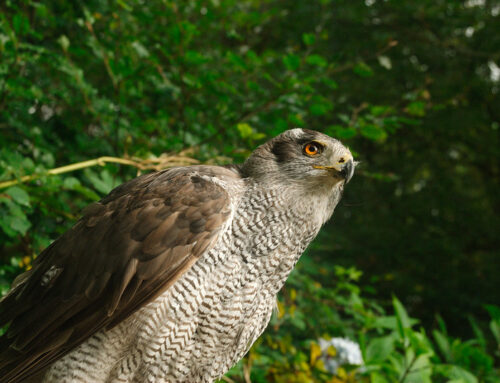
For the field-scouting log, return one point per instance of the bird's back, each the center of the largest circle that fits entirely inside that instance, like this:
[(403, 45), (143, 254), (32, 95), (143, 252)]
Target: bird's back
[(211, 316)]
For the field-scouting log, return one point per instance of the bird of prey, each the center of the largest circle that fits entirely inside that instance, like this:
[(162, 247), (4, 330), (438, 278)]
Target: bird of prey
[(173, 275)]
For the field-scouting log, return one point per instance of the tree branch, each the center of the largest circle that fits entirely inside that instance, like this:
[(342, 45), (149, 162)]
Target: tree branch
[(158, 163)]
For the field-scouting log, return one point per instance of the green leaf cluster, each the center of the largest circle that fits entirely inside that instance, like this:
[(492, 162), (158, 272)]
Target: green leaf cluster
[(395, 347)]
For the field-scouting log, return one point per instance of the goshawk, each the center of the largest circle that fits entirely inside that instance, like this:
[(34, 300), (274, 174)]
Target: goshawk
[(173, 275)]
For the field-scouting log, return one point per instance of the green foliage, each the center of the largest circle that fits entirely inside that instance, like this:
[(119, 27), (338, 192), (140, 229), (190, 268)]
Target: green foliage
[(133, 80), (395, 347), (408, 85)]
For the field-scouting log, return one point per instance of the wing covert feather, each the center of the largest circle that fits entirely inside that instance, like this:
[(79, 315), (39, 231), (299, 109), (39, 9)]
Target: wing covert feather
[(125, 251)]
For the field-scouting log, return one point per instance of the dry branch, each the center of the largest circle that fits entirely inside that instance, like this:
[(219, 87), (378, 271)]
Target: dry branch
[(158, 163)]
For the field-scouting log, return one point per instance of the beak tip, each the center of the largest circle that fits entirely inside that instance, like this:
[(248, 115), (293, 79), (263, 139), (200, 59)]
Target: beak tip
[(348, 170)]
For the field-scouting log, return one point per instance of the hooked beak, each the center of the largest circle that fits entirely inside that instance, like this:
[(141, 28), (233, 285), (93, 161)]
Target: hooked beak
[(347, 170)]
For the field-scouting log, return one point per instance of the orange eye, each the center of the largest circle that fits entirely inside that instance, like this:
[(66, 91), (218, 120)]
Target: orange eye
[(312, 149)]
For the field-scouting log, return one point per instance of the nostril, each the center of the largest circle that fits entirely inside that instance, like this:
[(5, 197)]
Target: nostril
[(342, 160)]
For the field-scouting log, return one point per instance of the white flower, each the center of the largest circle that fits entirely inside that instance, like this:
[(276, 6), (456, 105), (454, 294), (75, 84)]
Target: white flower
[(347, 352)]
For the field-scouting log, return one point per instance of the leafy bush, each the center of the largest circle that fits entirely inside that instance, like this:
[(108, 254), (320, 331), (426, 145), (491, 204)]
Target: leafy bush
[(135, 81), (395, 347)]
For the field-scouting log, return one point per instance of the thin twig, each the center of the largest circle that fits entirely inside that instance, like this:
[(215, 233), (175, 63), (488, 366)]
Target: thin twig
[(356, 111), (105, 57), (391, 44), (228, 380), (158, 163), (247, 367)]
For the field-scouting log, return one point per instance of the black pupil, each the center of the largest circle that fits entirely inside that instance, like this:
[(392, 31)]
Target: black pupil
[(313, 148)]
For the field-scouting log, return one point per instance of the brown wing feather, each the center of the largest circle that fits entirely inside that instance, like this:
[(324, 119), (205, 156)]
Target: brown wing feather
[(125, 251)]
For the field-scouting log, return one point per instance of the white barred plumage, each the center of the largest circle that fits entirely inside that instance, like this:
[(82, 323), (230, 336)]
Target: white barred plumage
[(208, 318)]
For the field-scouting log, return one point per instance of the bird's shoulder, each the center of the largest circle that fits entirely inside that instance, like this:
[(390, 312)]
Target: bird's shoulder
[(125, 250)]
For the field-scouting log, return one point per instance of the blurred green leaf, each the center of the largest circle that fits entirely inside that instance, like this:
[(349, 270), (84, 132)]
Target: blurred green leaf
[(292, 62), (308, 38), (373, 132), (245, 130), (456, 373), (341, 132), (416, 108), (140, 49), (379, 349), (443, 344), (71, 182), (316, 60), (402, 316), (64, 42), (376, 377), (18, 195), (495, 330), (363, 70), (104, 181)]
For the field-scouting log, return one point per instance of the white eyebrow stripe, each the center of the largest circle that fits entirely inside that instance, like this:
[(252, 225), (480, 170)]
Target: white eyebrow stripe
[(297, 132)]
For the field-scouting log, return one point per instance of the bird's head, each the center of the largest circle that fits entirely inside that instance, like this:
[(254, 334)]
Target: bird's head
[(303, 158)]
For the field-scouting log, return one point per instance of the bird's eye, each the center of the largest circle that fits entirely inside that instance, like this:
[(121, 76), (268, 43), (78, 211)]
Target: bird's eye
[(313, 148)]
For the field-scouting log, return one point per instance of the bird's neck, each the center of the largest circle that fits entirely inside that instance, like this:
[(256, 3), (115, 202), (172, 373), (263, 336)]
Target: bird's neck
[(314, 204)]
